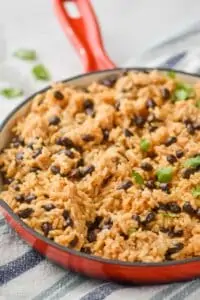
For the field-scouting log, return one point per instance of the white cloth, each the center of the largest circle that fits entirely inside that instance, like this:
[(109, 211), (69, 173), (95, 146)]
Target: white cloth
[(24, 274)]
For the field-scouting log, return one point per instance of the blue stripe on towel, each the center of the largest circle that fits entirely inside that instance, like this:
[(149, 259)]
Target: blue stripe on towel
[(166, 292), (102, 291), (20, 265), (187, 290), (172, 61)]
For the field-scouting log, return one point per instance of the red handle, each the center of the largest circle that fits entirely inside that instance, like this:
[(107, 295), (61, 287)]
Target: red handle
[(84, 34)]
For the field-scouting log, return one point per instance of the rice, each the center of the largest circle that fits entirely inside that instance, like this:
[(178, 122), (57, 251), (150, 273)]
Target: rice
[(111, 169)]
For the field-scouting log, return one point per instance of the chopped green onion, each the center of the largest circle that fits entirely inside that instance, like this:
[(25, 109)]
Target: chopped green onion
[(196, 192), (164, 175), (138, 178), (168, 214), (25, 54), (11, 92), (197, 104), (131, 230), (171, 74), (192, 162), (145, 145), (183, 91), (40, 72)]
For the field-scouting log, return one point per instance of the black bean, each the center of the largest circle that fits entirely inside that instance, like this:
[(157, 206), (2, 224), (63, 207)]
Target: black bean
[(136, 218), (179, 153), (58, 95), (75, 174), (7, 180), (150, 184), (107, 224), (88, 103), (164, 187), (170, 140), (55, 169), (54, 120), (25, 213), (29, 198), (165, 93), (190, 129), (150, 103), (127, 132), (19, 156), (149, 218), (46, 227), (164, 229), (73, 242), (92, 236), (69, 153), (19, 198), (105, 134), (17, 141), (95, 224), (37, 152), (152, 128), (151, 154), (139, 121), (78, 148), (16, 187), (174, 207), (87, 138), (187, 207), (65, 141), (48, 206), (178, 233), (68, 219), (80, 163), (86, 250), (172, 250), (171, 158), (188, 172), (162, 206), (187, 121), (146, 166), (196, 126), (109, 81), (125, 185), (35, 169), (66, 214), (87, 170)]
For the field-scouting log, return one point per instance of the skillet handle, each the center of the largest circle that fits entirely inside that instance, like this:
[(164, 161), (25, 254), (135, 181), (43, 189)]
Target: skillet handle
[(84, 33)]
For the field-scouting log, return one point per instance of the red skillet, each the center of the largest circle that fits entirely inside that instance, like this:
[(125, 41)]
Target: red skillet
[(85, 35)]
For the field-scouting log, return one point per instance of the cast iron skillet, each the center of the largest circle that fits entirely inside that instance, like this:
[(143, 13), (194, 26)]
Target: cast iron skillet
[(88, 264)]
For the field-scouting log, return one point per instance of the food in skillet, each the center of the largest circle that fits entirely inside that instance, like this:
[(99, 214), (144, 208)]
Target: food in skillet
[(113, 169)]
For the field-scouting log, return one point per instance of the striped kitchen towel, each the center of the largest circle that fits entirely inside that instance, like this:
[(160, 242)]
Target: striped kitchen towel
[(25, 274)]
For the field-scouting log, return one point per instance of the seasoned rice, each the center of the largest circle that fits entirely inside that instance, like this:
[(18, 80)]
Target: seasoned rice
[(112, 169)]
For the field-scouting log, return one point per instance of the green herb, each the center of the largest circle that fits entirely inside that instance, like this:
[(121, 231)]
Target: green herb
[(138, 178), (131, 230), (40, 72), (183, 91), (192, 162), (196, 192), (168, 214), (164, 175), (197, 104), (171, 74), (11, 92), (25, 54), (145, 145)]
